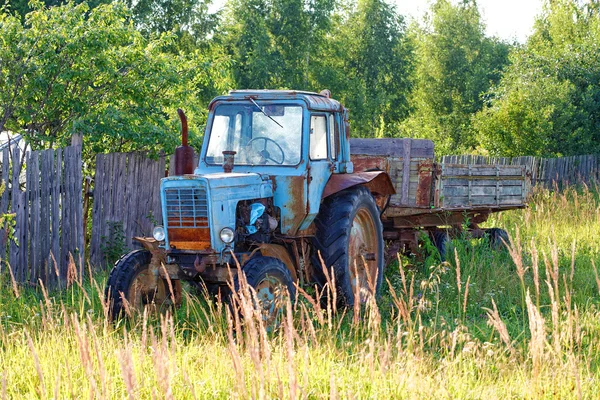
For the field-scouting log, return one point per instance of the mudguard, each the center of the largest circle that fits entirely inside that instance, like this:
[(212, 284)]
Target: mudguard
[(378, 182)]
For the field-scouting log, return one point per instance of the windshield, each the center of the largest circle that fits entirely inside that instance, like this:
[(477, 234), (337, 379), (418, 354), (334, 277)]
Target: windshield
[(260, 134)]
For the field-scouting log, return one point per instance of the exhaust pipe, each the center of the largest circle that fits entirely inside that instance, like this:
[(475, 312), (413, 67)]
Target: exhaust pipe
[(184, 154)]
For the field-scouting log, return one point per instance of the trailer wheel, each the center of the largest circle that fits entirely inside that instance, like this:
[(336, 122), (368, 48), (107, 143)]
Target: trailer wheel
[(496, 236), (270, 279), (440, 240), (350, 239), (131, 287)]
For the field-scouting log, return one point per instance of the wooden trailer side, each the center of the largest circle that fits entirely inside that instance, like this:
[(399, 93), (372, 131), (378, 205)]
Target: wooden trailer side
[(464, 186)]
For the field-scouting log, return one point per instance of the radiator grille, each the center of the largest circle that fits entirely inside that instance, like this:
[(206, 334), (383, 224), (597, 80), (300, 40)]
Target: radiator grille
[(187, 207)]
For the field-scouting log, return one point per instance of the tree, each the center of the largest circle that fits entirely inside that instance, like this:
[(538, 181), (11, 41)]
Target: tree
[(455, 65), (377, 66), (275, 43), (548, 101), (74, 70)]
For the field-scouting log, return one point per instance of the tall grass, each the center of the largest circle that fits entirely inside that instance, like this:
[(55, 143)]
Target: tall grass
[(522, 322)]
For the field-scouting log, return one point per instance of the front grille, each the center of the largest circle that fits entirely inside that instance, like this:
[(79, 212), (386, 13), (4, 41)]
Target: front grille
[(187, 207)]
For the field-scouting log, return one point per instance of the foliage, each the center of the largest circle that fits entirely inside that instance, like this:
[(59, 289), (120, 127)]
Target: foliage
[(548, 101), (455, 65), (114, 246), (375, 66), (74, 70)]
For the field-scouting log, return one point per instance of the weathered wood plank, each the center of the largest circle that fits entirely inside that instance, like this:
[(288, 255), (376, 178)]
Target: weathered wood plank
[(392, 147), (463, 191), (480, 170), (18, 247), (56, 214), (4, 199), (78, 200), (483, 182), (35, 218), (44, 236)]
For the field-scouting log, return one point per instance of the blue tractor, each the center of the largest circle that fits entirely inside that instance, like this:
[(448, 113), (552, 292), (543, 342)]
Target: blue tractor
[(274, 193), (277, 197)]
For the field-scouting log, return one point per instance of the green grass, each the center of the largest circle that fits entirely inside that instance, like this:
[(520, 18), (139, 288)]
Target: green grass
[(430, 335)]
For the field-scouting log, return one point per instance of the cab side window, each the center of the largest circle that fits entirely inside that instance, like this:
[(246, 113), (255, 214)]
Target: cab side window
[(333, 138), (318, 137)]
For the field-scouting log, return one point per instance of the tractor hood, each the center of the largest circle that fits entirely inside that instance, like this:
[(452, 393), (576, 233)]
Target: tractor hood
[(206, 204)]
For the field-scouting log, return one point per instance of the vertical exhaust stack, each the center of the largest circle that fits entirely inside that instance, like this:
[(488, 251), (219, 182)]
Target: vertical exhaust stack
[(184, 154)]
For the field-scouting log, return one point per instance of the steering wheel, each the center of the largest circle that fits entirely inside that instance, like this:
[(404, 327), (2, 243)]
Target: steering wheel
[(264, 153)]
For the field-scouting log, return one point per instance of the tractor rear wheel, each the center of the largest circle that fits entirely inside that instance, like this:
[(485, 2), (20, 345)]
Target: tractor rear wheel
[(350, 240)]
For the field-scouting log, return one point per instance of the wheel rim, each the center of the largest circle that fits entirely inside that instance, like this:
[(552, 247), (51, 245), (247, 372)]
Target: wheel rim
[(269, 293), (363, 255), (147, 291)]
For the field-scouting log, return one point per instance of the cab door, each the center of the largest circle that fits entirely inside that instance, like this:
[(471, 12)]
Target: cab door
[(322, 153)]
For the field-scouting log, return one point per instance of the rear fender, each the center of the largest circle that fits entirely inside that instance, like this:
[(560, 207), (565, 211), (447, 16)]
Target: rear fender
[(378, 183)]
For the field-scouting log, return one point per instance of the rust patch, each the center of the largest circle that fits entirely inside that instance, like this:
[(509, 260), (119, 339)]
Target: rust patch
[(190, 238), (378, 182), (279, 252), (297, 203), (425, 169), (366, 163)]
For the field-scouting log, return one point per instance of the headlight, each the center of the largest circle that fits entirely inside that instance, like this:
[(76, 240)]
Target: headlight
[(158, 233), (227, 235)]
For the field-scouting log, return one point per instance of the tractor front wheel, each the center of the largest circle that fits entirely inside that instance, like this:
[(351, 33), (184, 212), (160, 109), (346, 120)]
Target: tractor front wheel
[(132, 286)]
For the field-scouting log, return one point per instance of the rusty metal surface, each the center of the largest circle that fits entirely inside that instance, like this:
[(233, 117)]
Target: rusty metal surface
[(184, 154), (279, 252), (219, 274), (425, 171), (190, 238), (291, 198), (447, 218), (228, 161), (377, 182), (366, 163)]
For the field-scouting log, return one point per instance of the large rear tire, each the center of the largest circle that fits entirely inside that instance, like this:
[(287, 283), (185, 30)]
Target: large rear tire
[(131, 287), (350, 240)]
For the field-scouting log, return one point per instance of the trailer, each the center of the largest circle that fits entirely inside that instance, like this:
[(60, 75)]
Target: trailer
[(441, 199)]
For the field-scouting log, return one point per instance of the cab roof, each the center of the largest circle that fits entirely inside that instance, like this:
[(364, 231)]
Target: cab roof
[(314, 101)]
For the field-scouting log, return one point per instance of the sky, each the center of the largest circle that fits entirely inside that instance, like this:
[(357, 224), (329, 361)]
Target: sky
[(507, 19)]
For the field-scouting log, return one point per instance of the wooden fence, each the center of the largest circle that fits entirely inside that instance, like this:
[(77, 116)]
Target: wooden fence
[(547, 172), (44, 195), (44, 192), (126, 202)]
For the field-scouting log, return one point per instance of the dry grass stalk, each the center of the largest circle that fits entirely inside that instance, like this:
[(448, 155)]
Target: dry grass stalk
[(72, 274), (573, 246), (331, 292), (515, 249), (13, 281), (236, 359), (555, 320), (537, 330), (536, 272), (596, 276), (496, 322), (289, 344), (4, 384), (464, 310), (42, 388), (125, 357), (81, 335), (458, 278)]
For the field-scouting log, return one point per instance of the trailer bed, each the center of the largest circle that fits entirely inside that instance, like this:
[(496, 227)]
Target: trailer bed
[(435, 194)]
